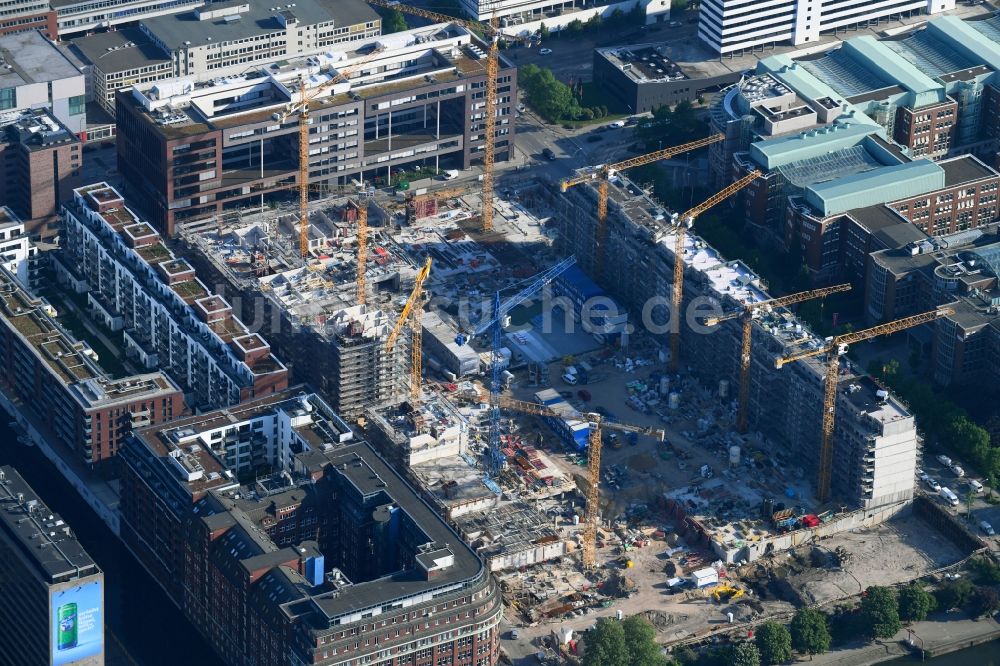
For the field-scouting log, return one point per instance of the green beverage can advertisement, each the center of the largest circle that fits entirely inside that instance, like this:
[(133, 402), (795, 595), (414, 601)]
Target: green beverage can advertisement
[(77, 623)]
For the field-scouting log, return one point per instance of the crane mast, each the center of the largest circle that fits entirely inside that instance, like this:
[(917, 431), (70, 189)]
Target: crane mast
[(411, 312), (833, 351), (362, 249), (683, 222)]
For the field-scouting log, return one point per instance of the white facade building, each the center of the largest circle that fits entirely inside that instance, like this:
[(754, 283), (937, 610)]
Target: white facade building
[(734, 26), (34, 74), (17, 252)]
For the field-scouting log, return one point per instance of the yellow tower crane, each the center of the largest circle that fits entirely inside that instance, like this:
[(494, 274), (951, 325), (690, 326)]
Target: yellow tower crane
[(684, 221), (834, 350), (412, 310), (747, 313), (603, 174), (597, 424), (492, 31), (301, 106)]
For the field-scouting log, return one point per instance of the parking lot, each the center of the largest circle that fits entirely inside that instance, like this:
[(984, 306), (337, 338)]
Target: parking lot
[(943, 475)]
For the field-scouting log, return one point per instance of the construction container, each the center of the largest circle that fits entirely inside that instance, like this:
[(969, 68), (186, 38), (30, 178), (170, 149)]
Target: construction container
[(734, 456), (723, 388), (576, 519), (674, 400), (705, 577)]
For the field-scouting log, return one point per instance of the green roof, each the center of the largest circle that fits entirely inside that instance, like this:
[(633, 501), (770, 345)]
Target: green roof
[(875, 187)]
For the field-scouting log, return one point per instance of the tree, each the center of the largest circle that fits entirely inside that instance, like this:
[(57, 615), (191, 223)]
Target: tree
[(880, 612), (810, 631), (915, 603), (774, 643), (393, 21), (551, 98), (987, 573), (640, 641), (985, 601), (605, 644), (746, 654), (543, 31), (953, 593)]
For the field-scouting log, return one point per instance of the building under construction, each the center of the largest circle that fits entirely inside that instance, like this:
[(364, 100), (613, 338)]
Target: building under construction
[(876, 445)]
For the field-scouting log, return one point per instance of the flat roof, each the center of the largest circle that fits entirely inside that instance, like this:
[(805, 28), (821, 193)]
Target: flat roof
[(178, 31), (34, 60), (965, 169), (118, 50), (869, 188), (40, 534)]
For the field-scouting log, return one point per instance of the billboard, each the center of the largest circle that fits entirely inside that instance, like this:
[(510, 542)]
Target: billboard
[(76, 622)]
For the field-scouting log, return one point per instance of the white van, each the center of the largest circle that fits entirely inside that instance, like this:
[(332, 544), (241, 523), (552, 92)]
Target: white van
[(975, 485), (450, 174), (948, 496)]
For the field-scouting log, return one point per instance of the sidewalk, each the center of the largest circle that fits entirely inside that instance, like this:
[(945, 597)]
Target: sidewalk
[(936, 637)]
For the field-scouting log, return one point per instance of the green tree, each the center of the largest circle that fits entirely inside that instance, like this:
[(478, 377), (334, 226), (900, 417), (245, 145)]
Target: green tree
[(810, 631), (393, 21), (746, 654), (551, 98), (987, 573), (774, 643), (640, 641), (985, 601), (915, 603), (686, 656), (605, 644), (953, 593), (543, 31), (880, 612)]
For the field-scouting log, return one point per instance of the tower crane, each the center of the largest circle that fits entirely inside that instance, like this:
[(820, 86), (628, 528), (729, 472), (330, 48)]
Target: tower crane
[(306, 97), (683, 222), (604, 173), (594, 443), (834, 349), (412, 310), (362, 249), (747, 314), (495, 326), (492, 67)]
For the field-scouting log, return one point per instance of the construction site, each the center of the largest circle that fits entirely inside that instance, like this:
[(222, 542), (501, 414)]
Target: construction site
[(613, 415)]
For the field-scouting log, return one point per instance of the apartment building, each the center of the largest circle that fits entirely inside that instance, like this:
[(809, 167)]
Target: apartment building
[(51, 590), (35, 74), (331, 559), (784, 404), (28, 16), (219, 39), (169, 318), (59, 383), (188, 152), (18, 252), (733, 27), (40, 160)]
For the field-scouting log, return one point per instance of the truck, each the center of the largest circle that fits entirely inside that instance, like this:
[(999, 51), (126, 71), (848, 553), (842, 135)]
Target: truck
[(574, 375), (948, 496)]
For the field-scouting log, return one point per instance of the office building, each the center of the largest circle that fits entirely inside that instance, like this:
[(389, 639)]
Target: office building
[(51, 591), (40, 160), (28, 16), (34, 73), (187, 153), (930, 90), (219, 39), (330, 558), (169, 318), (732, 27), (20, 255), (80, 17)]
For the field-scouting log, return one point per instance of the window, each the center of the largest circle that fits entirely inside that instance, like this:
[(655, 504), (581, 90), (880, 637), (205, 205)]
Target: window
[(77, 105), (8, 98)]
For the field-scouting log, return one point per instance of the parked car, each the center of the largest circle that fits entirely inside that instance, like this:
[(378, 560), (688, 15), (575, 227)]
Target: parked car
[(986, 528), (544, 51), (549, 155), (957, 470), (513, 634), (948, 496), (932, 484), (922, 475), (616, 124), (944, 460)]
